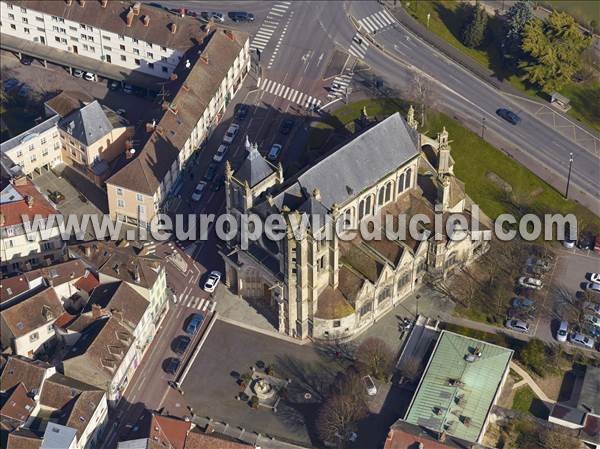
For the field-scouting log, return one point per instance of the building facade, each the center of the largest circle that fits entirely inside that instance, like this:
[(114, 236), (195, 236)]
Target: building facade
[(336, 287), (126, 34), (205, 85)]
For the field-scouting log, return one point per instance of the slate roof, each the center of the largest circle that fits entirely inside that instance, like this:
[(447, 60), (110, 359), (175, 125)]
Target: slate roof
[(68, 101), (361, 162), (194, 88), (460, 409), (31, 132), (119, 296), (589, 398), (255, 168), (87, 124)]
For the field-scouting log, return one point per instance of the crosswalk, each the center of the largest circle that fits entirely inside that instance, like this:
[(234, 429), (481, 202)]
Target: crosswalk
[(289, 93), (340, 85), (281, 36), (359, 47), (269, 25), (377, 21), (194, 302)]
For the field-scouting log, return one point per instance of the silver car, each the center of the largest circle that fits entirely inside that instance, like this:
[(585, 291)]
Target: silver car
[(563, 331), (582, 340), (517, 325)]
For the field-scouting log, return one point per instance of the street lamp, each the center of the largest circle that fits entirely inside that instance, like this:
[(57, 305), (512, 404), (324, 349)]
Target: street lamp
[(569, 175), (428, 17), (482, 127)]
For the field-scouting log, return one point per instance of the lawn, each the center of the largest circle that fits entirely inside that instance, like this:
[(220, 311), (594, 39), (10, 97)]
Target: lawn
[(523, 399), (584, 11), (530, 194), (446, 19)]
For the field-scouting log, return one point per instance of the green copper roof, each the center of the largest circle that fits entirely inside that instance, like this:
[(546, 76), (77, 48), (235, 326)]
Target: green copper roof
[(455, 395)]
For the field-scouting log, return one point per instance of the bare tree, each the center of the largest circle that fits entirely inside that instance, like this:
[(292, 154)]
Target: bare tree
[(422, 93), (337, 419), (376, 358)]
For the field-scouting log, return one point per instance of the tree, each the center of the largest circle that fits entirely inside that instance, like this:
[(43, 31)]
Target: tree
[(533, 436), (338, 417), (517, 16), (422, 93), (534, 356), (376, 358), (475, 30), (553, 48)]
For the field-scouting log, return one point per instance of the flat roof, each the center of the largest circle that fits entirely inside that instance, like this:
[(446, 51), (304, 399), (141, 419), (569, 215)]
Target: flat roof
[(455, 395), (589, 398)]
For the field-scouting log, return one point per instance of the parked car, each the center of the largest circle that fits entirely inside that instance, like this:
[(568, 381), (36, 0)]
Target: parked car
[(26, 60), (517, 325), (198, 191), (241, 16), (523, 303), (586, 242), (122, 112), (532, 283), (370, 385), (89, 76), (211, 283), (114, 85), (274, 152), (181, 344), (10, 84), (582, 340), (215, 16), (128, 89), (220, 154), (592, 286), (592, 319), (78, 73), (194, 323), (55, 196), (509, 116), (286, 127), (594, 277), (567, 243), (211, 171), (517, 313), (592, 306), (563, 331), (242, 112), (172, 365), (231, 133)]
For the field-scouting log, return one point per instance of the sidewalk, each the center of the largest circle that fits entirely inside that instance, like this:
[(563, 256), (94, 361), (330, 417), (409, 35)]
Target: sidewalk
[(527, 378)]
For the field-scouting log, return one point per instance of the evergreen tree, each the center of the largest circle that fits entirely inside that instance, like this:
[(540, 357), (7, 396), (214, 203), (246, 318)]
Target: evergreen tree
[(553, 48), (517, 16), (475, 29)]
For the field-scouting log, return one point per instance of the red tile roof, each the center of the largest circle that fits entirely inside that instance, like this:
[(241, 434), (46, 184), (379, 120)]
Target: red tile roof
[(13, 286), (399, 439), (19, 405), (196, 440), (87, 282), (13, 211), (171, 431)]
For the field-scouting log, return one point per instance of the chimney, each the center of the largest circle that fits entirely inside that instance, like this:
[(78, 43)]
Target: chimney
[(146, 20), (29, 201), (442, 437), (96, 311), (173, 27), (82, 3), (130, 15), (129, 153), (173, 76), (103, 3), (204, 59), (88, 251), (317, 194), (229, 34), (68, 2), (136, 8), (151, 126), (185, 87), (118, 314), (136, 274)]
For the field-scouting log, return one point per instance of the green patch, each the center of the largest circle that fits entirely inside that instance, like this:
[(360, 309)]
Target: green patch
[(524, 397), (447, 18), (515, 376)]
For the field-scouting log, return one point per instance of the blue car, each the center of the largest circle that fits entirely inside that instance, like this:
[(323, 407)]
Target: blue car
[(194, 323), (509, 116), (523, 303)]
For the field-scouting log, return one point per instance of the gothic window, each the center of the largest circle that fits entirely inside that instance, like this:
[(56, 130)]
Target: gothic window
[(403, 281), (381, 197), (364, 207), (348, 219), (388, 191), (408, 178), (368, 307), (401, 184)]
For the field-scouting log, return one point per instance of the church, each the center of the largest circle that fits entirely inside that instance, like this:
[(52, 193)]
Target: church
[(335, 288)]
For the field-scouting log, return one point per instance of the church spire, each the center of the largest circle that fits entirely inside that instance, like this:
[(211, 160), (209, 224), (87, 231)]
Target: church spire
[(410, 118)]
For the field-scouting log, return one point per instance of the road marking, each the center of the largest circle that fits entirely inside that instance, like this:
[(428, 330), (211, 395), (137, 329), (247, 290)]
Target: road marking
[(340, 85), (288, 93), (359, 47), (376, 21)]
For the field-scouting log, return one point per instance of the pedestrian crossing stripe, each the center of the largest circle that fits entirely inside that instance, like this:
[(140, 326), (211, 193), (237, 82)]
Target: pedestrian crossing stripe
[(289, 93), (359, 47), (377, 21), (269, 25), (339, 85), (195, 302)]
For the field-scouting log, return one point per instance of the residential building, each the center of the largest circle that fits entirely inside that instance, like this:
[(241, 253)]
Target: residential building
[(581, 414), (27, 327), (175, 433), (335, 287), (93, 136), (403, 435), (134, 36), (461, 383), (203, 86), (23, 247), (37, 149), (49, 410)]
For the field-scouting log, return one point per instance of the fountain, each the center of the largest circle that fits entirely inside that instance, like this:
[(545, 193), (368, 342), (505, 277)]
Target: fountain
[(262, 389)]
